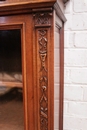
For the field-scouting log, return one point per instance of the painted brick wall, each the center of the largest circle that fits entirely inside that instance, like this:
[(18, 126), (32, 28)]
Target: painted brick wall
[(75, 95)]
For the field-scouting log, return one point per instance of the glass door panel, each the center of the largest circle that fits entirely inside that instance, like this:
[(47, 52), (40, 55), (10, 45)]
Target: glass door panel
[(11, 93)]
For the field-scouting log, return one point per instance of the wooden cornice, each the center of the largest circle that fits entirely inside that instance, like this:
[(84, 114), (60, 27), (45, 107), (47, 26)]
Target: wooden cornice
[(24, 7), (28, 6), (65, 1), (59, 12)]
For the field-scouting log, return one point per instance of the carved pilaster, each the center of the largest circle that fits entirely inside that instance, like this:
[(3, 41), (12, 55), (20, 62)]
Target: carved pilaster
[(43, 80), (42, 25)]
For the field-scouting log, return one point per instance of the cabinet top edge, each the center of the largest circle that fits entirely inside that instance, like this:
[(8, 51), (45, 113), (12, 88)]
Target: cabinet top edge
[(5, 7), (10, 8), (15, 3)]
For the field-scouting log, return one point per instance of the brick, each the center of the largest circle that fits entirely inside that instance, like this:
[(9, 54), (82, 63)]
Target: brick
[(66, 107), (76, 22), (79, 22), (71, 93), (69, 129), (67, 73), (68, 7), (85, 94), (75, 72), (78, 75), (69, 39), (75, 39), (81, 40), (75, 123), (68, 24), (78, 109), (76, 57), (80, 5)]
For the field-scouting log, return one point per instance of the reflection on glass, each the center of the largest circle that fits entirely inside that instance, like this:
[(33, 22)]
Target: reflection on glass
[(11, 93)]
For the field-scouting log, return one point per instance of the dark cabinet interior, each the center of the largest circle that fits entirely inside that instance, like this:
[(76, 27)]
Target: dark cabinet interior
[(11, 94), (10, 55)]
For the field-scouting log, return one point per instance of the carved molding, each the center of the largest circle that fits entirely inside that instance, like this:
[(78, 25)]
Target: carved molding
[(59, 12), (43, 80), (42, 19)]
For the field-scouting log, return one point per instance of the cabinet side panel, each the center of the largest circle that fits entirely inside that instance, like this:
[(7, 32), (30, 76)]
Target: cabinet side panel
[(58, 76)]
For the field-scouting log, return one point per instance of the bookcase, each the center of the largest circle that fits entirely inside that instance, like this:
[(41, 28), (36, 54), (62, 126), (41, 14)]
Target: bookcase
[(31, 53)]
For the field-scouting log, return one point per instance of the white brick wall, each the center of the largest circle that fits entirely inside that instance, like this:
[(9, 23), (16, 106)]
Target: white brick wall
[(75, 93)]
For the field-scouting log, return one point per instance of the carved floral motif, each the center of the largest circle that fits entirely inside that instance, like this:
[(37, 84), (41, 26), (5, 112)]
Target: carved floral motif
[(43, 20), (43, 81), (43, 49)]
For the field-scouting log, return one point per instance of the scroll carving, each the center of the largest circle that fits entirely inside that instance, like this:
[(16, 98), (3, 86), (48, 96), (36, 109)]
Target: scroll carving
[(43, 80)]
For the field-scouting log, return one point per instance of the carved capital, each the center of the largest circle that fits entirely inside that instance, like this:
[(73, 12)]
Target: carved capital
[(42, 19)]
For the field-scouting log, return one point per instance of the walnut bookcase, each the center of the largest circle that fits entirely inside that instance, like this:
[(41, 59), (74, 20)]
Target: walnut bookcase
[(36, 20)]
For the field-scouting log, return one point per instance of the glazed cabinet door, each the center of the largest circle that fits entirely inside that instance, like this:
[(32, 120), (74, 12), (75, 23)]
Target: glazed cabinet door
[(27, 71), (16, 73)]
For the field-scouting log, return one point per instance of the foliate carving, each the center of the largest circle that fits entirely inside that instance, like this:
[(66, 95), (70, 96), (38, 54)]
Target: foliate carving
[(43, 80), (42, 18), (43, 59), (43, 49)]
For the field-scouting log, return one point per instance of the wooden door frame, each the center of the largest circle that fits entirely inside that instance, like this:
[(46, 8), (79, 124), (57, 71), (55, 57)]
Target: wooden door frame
[(61, 94), (22, 22)]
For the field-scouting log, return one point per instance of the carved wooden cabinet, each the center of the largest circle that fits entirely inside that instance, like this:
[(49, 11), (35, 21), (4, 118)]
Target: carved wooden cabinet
[(31, 32)]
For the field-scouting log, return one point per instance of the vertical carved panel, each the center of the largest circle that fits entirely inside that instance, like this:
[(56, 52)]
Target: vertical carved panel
[(43, 80), (42, 25)]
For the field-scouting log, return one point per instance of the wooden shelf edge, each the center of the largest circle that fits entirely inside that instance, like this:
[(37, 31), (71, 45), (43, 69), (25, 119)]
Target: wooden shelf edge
[(11, 84)]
